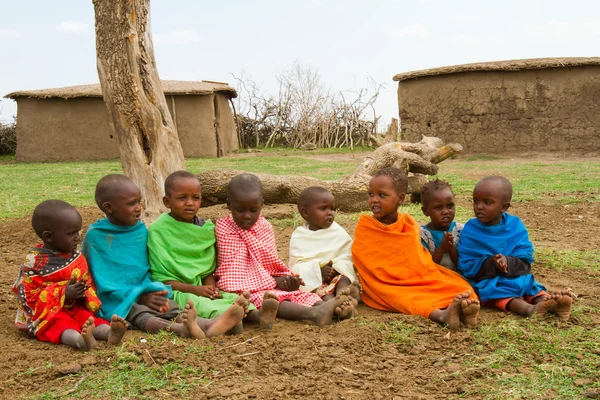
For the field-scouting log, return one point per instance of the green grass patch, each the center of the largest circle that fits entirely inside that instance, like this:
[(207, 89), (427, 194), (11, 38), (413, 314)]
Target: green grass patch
[(481, 157), (400, 332), (563, 260), (524, 358), (129, 376)]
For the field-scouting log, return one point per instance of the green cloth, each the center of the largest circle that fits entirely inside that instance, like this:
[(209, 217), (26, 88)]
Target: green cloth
[(185, 252)]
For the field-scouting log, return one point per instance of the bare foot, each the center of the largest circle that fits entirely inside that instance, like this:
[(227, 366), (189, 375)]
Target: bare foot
[(451, 315), (268, 311), (189, 322), (355, 291), (229, 319), (563, 305), (237, 330), (87, 334), (469, 312), (118, 327), (346, 309), (324, 312), (544, 306), (247, 297)]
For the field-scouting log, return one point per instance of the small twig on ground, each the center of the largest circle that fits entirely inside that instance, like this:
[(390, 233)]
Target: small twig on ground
[(237, 344), (150, 355), (74, 388), (247, 354)]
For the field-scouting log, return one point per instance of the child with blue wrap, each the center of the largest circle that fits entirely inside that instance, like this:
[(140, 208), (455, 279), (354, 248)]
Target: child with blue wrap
[(495, 255)]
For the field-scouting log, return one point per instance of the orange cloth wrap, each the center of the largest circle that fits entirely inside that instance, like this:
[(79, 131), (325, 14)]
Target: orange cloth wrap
[(397, 272)]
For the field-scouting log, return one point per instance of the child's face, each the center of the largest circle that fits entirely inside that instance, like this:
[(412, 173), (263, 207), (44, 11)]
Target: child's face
[(184, 199), (384, 200), (66, 234), (320, 213), (440, 209), (489, 202), (245, 208), (125, 208)]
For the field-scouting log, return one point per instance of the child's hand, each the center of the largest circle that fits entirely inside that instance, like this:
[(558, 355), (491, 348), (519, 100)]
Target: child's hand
[(155, 300), (208, 291), (501, 263), (75, 290), (288, 283), (447, 242), (326, 272)]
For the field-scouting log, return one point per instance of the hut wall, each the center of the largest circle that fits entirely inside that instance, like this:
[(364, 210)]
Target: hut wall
[(80, 129), (554, 109), (64, 130)]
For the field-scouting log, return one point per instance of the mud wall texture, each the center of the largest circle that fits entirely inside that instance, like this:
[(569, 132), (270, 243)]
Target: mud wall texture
[(80, 129), (555, 109)]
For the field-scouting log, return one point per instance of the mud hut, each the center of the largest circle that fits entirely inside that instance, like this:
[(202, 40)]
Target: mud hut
[(72, 123), (545, 104)]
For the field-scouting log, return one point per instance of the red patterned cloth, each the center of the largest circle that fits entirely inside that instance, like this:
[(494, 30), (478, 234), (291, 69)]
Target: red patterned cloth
[(247, 260), (40, 290)]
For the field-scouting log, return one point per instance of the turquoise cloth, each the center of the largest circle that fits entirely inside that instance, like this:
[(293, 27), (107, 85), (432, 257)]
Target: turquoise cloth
[(118, 259), (509, 237)]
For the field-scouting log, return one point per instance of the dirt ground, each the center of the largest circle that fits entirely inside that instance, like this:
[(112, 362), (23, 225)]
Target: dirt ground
[(347, 360)]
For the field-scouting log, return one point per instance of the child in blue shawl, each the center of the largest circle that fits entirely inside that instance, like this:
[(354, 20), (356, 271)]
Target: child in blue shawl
[(115, 248), (495, 255)]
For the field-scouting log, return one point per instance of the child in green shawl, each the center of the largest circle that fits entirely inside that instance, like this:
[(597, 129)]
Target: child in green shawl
[(182, 254)]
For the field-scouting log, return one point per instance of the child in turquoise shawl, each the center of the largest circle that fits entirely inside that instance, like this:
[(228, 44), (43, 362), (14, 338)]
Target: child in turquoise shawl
[(182, 249)]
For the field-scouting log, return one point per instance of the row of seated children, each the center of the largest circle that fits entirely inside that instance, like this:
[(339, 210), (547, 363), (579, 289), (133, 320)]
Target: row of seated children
[(249, 282), (162, 279)]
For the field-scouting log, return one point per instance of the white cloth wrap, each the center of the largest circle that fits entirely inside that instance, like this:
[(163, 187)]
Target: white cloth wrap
[(311, 249)]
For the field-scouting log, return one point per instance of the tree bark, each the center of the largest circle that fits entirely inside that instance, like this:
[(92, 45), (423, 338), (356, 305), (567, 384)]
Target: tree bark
[(350, 193), (148, 141)]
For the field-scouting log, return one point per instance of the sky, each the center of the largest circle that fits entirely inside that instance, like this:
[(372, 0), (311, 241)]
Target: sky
[(47, 44)]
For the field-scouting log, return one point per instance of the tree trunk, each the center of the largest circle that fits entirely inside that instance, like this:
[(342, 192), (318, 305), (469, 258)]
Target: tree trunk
[(350, 193), (147, 137)]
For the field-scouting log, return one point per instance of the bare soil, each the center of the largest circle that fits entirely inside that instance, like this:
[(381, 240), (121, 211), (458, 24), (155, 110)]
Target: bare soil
[(353, 359)]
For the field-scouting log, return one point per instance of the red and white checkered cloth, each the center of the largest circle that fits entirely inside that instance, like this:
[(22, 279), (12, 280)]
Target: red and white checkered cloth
[(247, 260)]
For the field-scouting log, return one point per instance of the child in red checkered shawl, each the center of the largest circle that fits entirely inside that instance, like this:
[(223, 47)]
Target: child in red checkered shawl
[(247, 260)]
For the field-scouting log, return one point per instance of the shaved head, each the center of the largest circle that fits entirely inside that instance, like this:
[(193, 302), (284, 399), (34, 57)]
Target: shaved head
[(176, 176), (503, 184), (309, 195), (110, 185), (244, 183), (47, 215), (397, 176)]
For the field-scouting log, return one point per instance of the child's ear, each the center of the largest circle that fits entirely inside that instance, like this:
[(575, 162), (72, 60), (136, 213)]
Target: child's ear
[(107, 207), (401, 199), (304, 212), (166, 202), (423, 210), (47, 236), (228, 204), (505, 207)]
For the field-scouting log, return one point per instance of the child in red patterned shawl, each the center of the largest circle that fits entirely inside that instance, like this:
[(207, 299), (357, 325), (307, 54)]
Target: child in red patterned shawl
[(55, 292), (247, 260)]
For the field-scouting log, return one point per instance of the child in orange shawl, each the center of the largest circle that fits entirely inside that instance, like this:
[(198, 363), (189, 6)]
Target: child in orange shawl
[(57, 299), (396, 272)]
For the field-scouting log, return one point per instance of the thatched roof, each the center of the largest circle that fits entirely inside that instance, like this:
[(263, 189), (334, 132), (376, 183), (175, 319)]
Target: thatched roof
[(171, 88), (507, 65)]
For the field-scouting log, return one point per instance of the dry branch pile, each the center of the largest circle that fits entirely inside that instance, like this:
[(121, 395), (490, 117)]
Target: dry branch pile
[(304, 112)]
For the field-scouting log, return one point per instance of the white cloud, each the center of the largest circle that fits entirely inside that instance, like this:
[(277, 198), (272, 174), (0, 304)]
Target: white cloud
[(7, 33), (412, 30), (180, 36), (72, 27)]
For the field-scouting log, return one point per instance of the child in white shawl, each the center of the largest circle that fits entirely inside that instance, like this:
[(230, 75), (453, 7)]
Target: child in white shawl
[(321, 250)]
